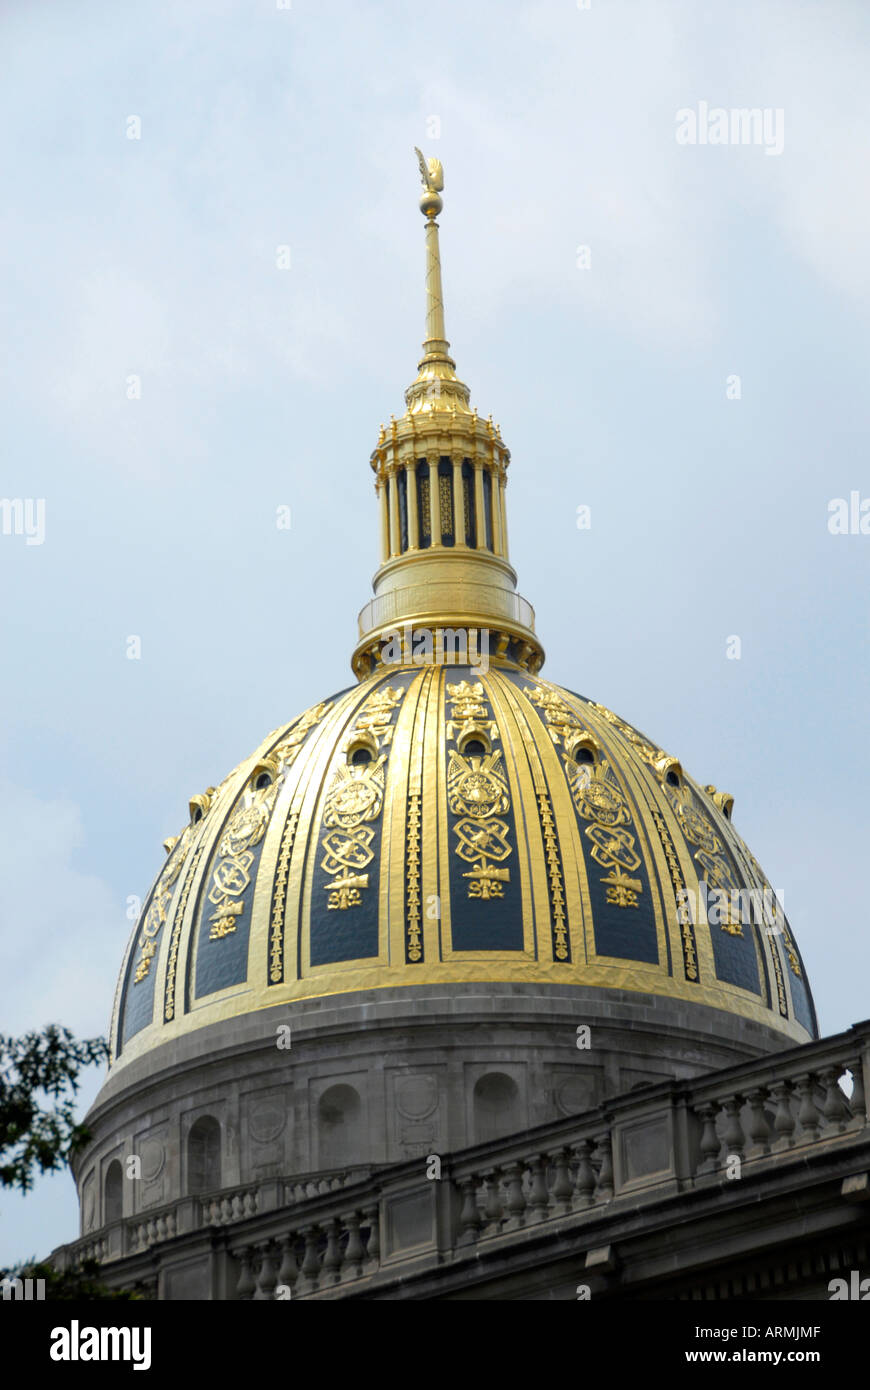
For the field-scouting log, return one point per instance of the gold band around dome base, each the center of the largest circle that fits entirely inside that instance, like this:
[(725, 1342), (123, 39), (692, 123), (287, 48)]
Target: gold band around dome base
[(454, 643)]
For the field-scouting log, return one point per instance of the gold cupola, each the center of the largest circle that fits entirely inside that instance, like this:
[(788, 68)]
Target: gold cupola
[(440, 477), (444, 827)]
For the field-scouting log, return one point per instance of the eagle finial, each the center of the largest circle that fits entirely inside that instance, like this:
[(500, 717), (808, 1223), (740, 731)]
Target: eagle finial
[(431, 172)]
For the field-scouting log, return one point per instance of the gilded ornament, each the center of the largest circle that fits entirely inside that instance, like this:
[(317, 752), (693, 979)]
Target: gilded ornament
[(476, 786), (477, 791), (596, 793), (562, 722), (231, 876), (599, 798), (622, 890), (172, 963), (555, 881), (355, 798), (159, 907), (687, 931), (279, 898), (414, 939)]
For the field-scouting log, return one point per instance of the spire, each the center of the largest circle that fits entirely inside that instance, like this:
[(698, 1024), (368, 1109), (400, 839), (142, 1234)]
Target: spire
[(430, 205), (440, 477), (436, 382)]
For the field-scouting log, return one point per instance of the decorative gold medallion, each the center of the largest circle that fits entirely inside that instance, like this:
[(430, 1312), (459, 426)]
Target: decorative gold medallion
[(596, 793), (477, 791), (231, 875), (476, 786), (599, 798), (355, 798)]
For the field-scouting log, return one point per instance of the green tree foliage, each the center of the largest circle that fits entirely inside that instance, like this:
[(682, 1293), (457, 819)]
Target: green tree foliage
[(82, 1283), (39, 1078)]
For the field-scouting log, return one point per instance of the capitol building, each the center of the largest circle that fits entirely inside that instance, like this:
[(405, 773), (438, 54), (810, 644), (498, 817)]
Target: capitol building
[(460, 986)]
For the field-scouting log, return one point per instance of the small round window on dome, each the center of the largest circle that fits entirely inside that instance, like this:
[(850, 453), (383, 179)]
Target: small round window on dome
[(264, 780), (473, 744), (672, 779), (360, 757), (197, 815), (582, 749)]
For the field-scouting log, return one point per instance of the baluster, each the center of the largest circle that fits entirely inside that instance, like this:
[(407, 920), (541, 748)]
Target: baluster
[(354, 1254), (584, 1185), (709, 1144), (783, 1121), (249, 1203), (333, 1254), (516, 1198), (604, 1185), (307, 1278), (170, 1225), (808, 1114), (226, 1211), (834, 1109), (267, 1278), (493, 1211), (469, 1216), (372, 1217), (857, 1100), (758, 1127), (562, 1188), (539, 1197), (288, 1271), (733, 1131)]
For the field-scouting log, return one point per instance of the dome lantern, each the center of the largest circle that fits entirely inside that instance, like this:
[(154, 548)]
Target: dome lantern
[(440, 477)]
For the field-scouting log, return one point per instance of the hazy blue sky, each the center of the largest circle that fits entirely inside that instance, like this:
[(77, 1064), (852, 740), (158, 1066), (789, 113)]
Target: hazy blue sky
[(156, 257)]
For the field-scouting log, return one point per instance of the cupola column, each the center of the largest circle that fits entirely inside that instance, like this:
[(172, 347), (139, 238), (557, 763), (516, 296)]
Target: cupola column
[(385, 521), (502, 510), (433, 461), (495, 512), (413, 519), (479, 514), (458, 502), (395, 532)]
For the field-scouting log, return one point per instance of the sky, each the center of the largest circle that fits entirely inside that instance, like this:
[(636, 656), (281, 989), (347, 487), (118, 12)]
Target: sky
[(211, 280)]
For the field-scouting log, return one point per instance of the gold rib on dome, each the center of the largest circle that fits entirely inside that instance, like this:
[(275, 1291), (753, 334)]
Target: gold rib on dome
[(440, 477)]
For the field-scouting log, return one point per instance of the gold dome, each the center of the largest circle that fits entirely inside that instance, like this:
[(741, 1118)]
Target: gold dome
[(439, 824), (454, 818)]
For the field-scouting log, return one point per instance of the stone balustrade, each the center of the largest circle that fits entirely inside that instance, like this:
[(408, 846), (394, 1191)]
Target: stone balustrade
[(311, 1235), (792, 1101)]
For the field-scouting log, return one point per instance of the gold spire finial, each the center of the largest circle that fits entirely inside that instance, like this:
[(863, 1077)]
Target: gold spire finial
[(431, 203), (440, 476)]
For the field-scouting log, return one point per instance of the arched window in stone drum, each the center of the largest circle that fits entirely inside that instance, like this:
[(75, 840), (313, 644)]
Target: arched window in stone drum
[(496, 1107), (338, 1125), (113, 1192), (204, 1156)]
